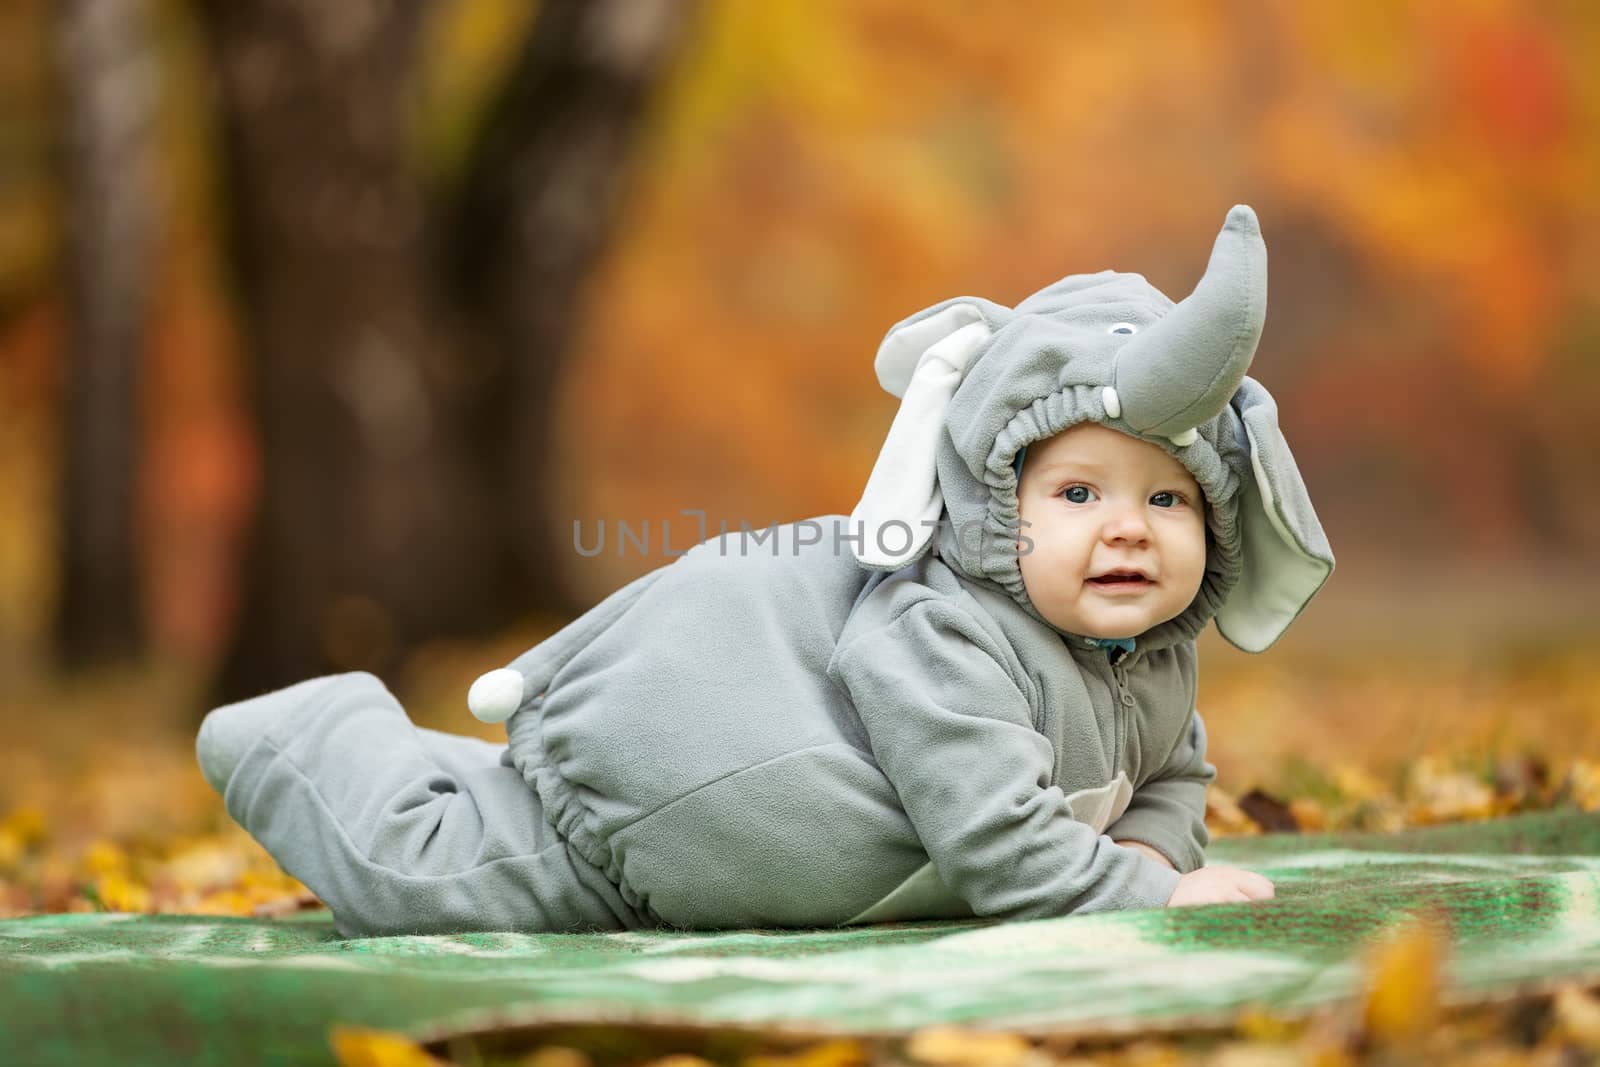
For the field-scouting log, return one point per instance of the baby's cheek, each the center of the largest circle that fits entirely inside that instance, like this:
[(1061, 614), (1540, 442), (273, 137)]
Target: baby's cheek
[(1191, 550)]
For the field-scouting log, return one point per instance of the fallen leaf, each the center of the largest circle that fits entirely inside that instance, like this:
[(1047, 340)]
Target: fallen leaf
[(278, 907), (1436, 794), (1224, 816), (27, 824), (1377, 815), (104, 857), (1150, 1053), (951, 1046), (223, 902), (680, 1059), (1583, 784), (838, 1053), (1523, 778), (1309, 814), (355, 1046), (1249, 1054), (1577, 1015), (1403, 975), (555, 1056), (1255, 1024), (117, 892), (1354, 783), (1268, 812)]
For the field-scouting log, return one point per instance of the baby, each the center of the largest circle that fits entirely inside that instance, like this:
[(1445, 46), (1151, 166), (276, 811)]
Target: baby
[(974, 696)]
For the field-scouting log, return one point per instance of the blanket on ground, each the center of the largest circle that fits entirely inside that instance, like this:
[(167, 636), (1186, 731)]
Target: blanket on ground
[(1519, 898)]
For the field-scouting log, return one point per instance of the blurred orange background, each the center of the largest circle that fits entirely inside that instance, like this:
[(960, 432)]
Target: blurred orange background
[(811, 172)]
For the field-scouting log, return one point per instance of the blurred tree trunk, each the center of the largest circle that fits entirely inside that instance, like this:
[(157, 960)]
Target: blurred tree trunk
[(107, 76), (536, 207), (384, 415), (373, 530)]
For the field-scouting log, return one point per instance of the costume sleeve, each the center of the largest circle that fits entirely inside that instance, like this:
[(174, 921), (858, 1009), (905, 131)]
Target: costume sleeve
[(1168, 812), (955, 736)]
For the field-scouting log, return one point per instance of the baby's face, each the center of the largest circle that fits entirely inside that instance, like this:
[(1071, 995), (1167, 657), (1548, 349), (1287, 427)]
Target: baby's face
[(1095, 502)]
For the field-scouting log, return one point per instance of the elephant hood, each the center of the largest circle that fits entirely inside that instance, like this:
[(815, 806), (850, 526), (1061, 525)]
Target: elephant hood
[(979, 381)]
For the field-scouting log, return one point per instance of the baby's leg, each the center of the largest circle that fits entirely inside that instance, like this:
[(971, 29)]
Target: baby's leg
[(397, 829)]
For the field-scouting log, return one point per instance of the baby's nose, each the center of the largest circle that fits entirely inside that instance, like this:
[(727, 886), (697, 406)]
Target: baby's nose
[(1126, 524)]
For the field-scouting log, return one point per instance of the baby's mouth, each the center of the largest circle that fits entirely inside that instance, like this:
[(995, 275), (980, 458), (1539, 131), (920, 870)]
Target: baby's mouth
[(1124, 579)]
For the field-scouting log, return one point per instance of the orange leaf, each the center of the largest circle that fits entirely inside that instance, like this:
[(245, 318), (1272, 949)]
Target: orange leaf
[(1402, 1001), (356, 1046)]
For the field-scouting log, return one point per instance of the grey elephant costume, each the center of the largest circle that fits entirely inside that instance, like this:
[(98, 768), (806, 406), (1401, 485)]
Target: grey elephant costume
[(844, 719)]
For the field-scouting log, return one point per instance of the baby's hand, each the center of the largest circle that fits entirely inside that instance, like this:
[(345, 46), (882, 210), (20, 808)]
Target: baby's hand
[(1219, 885)]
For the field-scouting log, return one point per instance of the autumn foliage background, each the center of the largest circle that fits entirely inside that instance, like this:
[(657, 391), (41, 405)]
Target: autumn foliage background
[(811, 173)]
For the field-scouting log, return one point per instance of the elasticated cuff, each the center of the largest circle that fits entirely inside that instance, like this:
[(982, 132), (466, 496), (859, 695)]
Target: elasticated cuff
[(1150, 829), (1153, 886)]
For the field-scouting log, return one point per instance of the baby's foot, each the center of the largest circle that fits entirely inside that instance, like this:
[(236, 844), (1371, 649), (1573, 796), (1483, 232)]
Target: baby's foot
[(228, 732)]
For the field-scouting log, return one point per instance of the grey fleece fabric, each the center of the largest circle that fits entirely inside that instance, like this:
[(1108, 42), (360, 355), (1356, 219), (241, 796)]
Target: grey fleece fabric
[(769, 735), (402, 830), (780, 729)]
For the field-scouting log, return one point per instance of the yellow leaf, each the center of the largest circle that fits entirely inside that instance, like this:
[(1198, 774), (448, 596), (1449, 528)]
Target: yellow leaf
[(1148, 1052), (277, 881), (105, 857), (952, 1046), (1378, 816), (1258, 1025), (204, 866), (1403, 975), (120, 893), (1355, 783), (840, 1053), (10, 849), (1249, 1054), (27, 824), (1438, 794), (224, 902), (555, 1056), (1577, 1015), (1330, 1056), (1583, 780), (355, 1046), (1455, 799)]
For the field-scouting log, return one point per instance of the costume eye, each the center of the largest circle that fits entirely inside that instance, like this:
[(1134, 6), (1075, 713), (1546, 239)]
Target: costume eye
[(1173, 498), (1123, 327), (1082, 490)]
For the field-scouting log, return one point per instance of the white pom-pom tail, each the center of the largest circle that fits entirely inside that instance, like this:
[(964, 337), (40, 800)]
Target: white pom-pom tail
[(496, 696)]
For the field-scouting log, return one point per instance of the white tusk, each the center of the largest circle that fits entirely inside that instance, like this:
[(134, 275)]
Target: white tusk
[(1112, 401), (1187, 437)]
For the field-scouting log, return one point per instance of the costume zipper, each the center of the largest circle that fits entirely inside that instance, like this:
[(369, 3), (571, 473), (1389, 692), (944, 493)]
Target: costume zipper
[(1124, 710)]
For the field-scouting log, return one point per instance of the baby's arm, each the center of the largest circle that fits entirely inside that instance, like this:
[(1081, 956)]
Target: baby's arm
[(954, 734), (1166, 819), (1167, 814), (1140, 846)]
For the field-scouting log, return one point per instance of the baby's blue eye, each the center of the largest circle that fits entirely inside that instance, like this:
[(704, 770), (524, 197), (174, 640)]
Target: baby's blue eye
[(1173, 497), (1071, 489)]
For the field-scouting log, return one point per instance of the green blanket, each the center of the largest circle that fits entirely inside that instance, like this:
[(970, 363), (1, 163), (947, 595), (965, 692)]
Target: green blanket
[(1521, 897)]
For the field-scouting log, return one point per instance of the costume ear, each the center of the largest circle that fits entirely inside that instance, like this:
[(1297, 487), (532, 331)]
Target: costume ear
[(922, 361), (1286, 553)]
